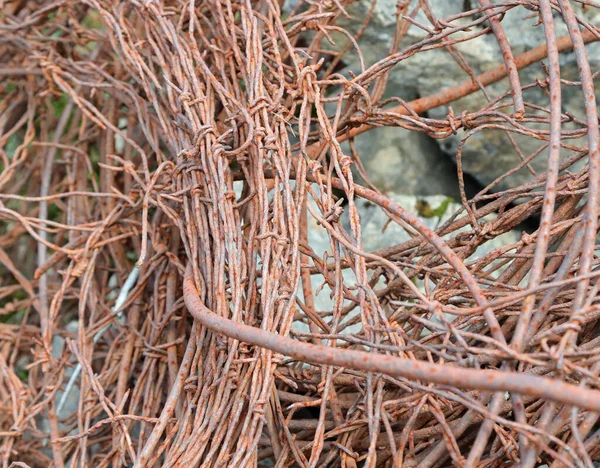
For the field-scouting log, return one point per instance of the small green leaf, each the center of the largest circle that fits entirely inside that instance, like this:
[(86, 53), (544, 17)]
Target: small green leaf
[(13, 318), (14, 141), (59, 104), (54, 213), (92, 20), (426, 211), (441, 210)]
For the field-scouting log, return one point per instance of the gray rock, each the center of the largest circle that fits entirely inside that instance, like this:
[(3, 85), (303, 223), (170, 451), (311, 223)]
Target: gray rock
[(487, 154), (72, 403), (58, 343), (406, 162), (373, 219)]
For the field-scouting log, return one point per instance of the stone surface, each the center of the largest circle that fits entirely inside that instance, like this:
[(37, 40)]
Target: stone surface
[(72, 403), (402, 161), (487, 154), (373, 219), (58, 344)]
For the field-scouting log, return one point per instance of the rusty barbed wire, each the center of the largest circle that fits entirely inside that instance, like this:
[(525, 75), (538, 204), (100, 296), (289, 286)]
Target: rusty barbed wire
[(194, 141)]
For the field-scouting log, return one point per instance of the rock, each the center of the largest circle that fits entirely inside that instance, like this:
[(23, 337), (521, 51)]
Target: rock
[(489, 153), (58, 343), (406, 162), (72, 403), (432, 210), (318, 239)]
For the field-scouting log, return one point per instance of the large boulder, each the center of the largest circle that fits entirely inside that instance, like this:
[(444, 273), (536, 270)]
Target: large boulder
[(488, 154)]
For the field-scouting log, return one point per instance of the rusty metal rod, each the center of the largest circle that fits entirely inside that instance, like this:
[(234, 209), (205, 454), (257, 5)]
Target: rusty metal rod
[(489, 380)]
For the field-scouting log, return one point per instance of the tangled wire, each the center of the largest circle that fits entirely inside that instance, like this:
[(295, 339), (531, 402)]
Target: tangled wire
[(160, 163)]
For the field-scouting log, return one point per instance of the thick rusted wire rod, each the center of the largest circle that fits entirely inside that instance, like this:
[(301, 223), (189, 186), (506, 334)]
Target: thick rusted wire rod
[(432, 373)]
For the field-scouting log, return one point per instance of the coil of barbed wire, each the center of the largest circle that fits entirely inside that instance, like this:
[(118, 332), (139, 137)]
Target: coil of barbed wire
[(164, 165)]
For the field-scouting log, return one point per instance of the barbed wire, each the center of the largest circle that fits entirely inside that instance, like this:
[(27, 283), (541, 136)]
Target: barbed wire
[(194, 141)]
